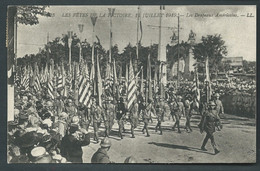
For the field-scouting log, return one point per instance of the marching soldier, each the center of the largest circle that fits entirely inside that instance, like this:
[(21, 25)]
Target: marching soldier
[(180, 110), (84, 114), (160, 109), (96, 113), (187, 104), (147, 115), (208, 124), (219, 106), (110, 110), (70, 109), (134, 117), (120, 114)]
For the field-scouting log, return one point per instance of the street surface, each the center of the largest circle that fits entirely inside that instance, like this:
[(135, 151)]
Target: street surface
[(236, 142)]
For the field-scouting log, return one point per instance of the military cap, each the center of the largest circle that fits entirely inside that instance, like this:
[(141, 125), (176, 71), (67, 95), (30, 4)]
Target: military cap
[(105, 142), (217, 95), (212, 103), (130, 159)]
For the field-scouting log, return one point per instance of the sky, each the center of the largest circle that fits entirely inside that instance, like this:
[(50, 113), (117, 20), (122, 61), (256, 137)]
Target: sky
[(236, 28)]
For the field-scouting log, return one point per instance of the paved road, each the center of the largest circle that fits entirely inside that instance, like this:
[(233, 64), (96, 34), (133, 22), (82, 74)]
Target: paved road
[(236, 142)]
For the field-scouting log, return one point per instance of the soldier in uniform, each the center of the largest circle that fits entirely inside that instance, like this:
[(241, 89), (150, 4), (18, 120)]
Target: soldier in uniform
[(208, 123), (84, 114), (147, 115), (96, 113), (120, 114), (100, 156), (219, 106), (140, 99), (180, 110), (109, 109), (70, 109), (187, 106), (134, 117), (160, 109)]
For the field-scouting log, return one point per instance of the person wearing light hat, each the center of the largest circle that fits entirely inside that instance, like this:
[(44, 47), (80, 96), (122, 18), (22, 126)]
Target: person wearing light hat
[(101, 156), (179, 111), (62, 124), (219, 106), (39, 155), (160, 109), (208, 124)]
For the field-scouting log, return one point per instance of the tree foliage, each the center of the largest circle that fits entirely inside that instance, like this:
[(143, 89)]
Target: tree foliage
[(211, 47), (28, 14)]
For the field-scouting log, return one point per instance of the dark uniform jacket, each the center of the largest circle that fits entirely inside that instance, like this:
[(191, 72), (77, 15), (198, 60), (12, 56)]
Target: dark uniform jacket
[(208, 122), (121, 110), (71, 147), (100, 156)]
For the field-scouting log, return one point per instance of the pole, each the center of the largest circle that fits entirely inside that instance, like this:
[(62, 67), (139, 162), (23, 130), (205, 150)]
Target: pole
[(110, 40), (160, 35), (137, 40), (48, 54), (93, 48), (80, 52), (178, 51)]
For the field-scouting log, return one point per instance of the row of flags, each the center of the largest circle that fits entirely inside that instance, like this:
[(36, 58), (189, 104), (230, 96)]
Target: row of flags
[(83, 85)]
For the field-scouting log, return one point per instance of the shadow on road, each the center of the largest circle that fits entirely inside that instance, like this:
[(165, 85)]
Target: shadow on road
[(179, 147)]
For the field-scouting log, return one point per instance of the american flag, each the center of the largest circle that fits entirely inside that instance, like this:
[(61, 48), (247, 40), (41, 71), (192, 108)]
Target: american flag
[(25, 82), (131, 90), (37, 84), (51, 88), (84, 88)]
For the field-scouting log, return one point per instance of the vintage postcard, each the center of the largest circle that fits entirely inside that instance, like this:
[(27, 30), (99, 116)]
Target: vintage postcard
[(131, 84)]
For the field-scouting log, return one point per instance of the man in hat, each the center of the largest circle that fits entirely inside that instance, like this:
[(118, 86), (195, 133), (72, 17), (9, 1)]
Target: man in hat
[(96, 112), (110, 112), (133, 116), (219, 106), (187, 106), (70, 109), (147, 115), (101, 156), (71, 144), (208, 125), (84, 114), (160, 109), (120, 114), (180, 111)]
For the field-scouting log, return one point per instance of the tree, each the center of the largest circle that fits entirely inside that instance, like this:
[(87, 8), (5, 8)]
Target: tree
[(211, 47), (28, 14)]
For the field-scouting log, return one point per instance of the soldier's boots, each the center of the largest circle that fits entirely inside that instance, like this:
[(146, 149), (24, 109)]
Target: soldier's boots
[(148, 135), (143, 131), (203, 148), (156, 128), (216, 151)]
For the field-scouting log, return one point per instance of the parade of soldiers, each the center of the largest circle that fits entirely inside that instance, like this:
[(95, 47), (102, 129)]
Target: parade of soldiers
[(60, 107)]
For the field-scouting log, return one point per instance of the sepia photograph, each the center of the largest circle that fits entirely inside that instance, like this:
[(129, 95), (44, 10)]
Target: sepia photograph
[(131, 84)]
